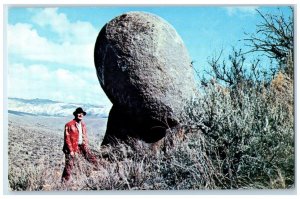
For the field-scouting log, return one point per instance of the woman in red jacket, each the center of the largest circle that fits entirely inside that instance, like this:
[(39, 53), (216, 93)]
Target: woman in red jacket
[(76, 141)]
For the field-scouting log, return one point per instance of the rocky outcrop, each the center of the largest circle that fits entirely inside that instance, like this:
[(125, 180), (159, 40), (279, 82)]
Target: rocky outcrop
[(145, 70)]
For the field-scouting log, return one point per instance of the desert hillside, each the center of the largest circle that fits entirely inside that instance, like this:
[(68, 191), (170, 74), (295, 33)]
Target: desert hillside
[(37, 141)]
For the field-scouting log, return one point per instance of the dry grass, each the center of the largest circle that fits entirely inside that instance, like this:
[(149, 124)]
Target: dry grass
[(231, 140), (121, 167)]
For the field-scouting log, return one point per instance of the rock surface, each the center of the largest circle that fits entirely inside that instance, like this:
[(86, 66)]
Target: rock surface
[(145, 70)]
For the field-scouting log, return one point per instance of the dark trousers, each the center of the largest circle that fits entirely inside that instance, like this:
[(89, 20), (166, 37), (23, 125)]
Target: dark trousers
[(70, 161)]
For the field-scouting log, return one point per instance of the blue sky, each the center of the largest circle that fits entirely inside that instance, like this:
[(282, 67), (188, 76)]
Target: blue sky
[(50, 50)]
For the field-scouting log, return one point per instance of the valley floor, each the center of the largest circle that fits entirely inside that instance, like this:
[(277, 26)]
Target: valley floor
[(37, 141)]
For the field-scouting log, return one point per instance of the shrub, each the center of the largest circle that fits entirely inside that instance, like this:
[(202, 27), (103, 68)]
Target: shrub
[(250, 134)]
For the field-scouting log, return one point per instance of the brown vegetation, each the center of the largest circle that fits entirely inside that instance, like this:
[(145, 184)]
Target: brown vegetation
[(236, 136)]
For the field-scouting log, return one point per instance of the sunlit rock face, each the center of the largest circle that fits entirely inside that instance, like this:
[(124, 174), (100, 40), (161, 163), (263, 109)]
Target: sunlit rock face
[(144, 68)]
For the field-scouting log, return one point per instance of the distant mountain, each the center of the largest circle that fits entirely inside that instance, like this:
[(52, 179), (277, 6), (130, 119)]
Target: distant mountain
[(45, 107), (34, 101)]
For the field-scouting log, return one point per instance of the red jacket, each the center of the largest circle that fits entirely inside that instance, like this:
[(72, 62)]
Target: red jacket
[(71, 135)]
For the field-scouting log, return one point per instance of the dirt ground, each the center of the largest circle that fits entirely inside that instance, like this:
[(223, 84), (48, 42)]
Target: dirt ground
[(36, 140)]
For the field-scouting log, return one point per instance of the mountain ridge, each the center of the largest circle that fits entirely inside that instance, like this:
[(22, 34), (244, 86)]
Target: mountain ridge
[(46, 107)]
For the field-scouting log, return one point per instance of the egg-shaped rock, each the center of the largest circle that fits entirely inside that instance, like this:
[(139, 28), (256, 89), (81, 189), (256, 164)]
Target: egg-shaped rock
[(144, 68)]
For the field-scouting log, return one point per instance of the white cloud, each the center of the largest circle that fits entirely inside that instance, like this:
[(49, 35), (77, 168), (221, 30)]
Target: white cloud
[(37, 81), (76, 32), (73, 51), (75, 44), (66, 77), (246, 10), (24, 41)]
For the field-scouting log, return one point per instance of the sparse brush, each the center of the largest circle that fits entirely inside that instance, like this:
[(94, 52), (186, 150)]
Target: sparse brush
[(239, 134), (231, 140), (250, 135)]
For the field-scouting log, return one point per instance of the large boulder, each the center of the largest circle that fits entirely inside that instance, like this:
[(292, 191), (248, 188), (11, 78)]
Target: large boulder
[(145, 70)]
